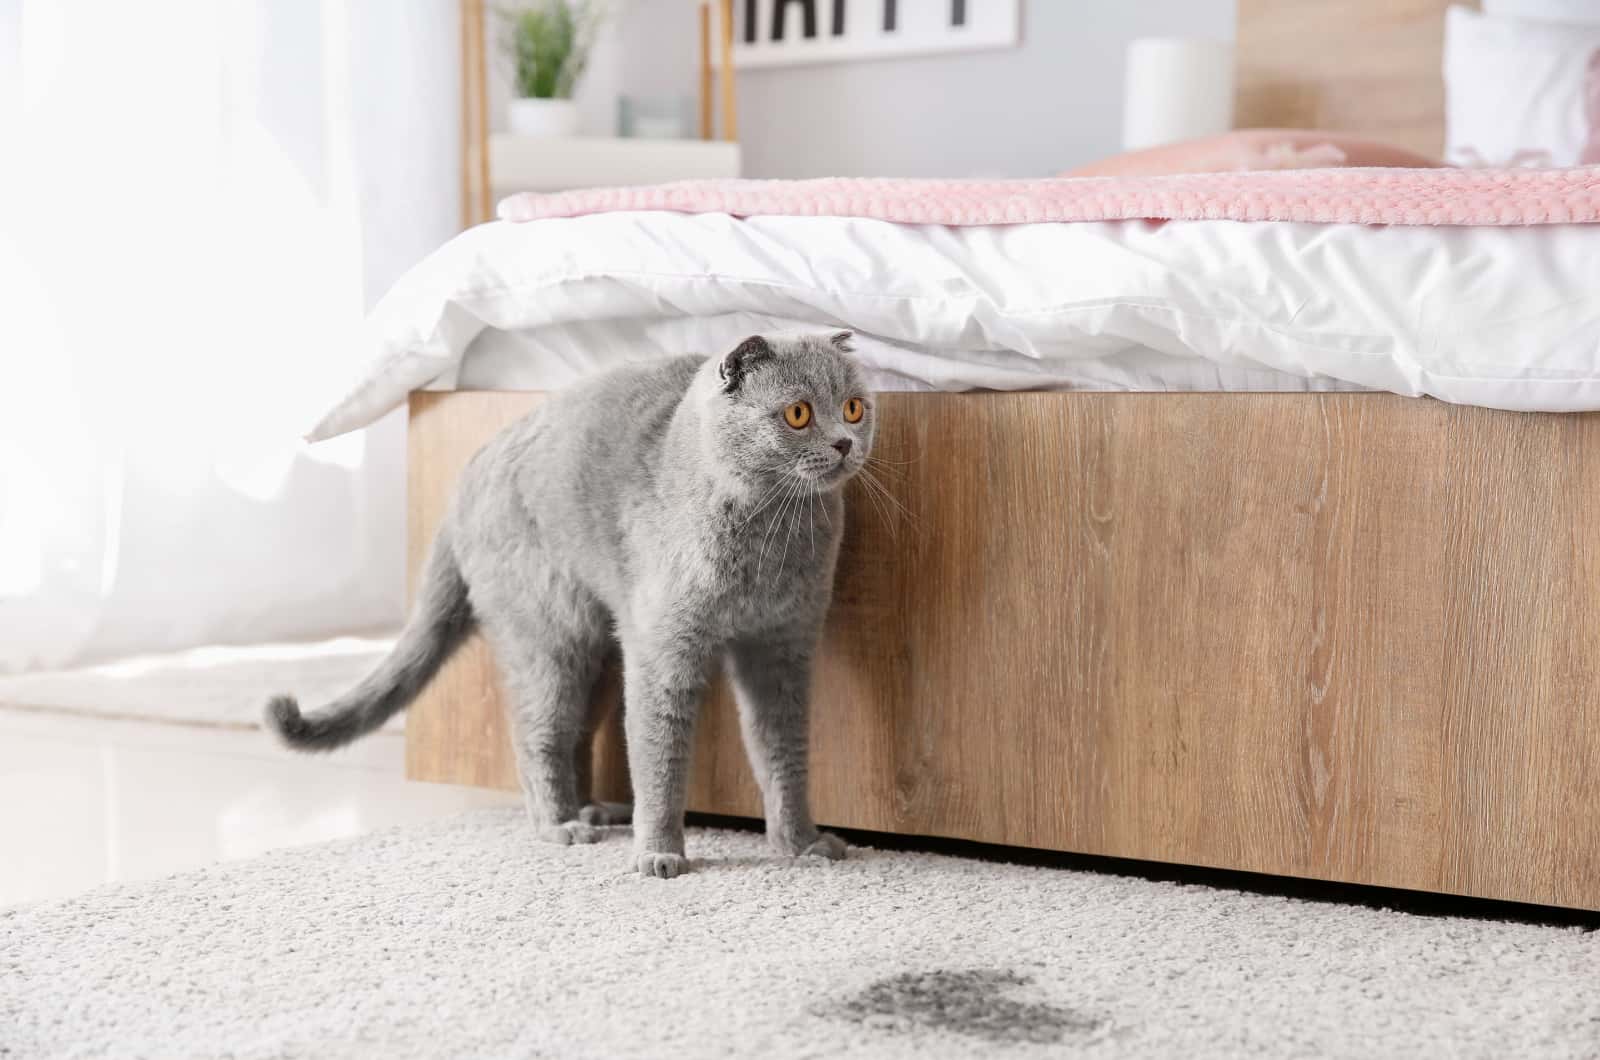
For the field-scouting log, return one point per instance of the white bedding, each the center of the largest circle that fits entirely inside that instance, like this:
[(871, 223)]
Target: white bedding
[(1503, 317)]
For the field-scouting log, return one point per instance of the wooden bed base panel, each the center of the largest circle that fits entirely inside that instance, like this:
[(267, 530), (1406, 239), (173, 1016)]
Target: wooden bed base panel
[(1350, 637)]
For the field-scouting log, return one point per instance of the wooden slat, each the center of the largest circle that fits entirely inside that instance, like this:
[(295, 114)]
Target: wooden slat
[(707, 103), (1371, 67), (730, 97), (475, 204), (1348, 637)]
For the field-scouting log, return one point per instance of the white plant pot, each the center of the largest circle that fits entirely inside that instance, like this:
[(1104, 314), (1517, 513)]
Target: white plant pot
[(543, 117)]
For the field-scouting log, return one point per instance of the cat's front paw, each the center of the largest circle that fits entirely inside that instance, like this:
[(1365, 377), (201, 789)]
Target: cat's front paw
[(662, 866), (569, 832)]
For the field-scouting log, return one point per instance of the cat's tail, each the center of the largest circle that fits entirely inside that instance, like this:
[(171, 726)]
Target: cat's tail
[(439, 623)]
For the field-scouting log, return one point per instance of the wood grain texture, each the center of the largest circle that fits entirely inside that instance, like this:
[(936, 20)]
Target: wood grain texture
[(1347, 637), (707, 102), (730, 98), (475, 203), (1370, 67)]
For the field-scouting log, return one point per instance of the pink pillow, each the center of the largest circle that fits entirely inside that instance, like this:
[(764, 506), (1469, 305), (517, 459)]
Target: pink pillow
[(1247, 149)]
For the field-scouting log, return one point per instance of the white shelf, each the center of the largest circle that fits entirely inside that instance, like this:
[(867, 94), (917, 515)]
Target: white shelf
[(526, 163)]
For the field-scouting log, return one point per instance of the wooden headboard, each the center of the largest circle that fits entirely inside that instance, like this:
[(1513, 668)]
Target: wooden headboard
[(1370, 67)]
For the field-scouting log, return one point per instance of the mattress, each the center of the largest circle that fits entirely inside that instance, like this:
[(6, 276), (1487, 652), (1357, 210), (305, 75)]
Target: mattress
[(1501, 316)]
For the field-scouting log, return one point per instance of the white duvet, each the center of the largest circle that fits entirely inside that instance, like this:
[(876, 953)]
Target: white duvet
[(1503, 317)]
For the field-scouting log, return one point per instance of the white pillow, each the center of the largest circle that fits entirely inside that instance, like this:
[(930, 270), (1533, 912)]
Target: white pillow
[(1516, 90), (1583, 12)]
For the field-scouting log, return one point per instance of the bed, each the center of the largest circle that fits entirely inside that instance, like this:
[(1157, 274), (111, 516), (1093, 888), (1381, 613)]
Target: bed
[(1214, 588)]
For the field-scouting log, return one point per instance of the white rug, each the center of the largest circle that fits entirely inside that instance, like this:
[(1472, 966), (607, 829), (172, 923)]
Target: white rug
[(467, 938), (223, 686)]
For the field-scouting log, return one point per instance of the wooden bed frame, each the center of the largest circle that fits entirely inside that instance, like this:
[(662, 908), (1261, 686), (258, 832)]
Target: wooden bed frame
[(1351, 637)]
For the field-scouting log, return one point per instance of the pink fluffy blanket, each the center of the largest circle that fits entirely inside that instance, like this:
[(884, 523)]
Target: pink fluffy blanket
[(1363, 196)]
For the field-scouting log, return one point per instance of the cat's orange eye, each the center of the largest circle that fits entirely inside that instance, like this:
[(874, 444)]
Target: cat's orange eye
[(798, 415), (854, 410)]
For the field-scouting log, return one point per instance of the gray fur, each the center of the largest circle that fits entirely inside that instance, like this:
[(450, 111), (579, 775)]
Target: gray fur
[(670, 507), (439, 623)]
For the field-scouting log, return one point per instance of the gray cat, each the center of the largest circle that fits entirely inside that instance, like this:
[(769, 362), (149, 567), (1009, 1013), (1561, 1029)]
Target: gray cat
[(691, 509)]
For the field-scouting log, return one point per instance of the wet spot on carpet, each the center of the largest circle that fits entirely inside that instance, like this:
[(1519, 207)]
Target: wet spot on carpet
[(972, 1003)]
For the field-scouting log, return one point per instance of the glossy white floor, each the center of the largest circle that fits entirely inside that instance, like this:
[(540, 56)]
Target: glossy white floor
[(84, 801)]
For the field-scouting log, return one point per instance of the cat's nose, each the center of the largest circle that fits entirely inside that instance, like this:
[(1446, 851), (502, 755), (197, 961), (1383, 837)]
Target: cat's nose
[(843, 445)]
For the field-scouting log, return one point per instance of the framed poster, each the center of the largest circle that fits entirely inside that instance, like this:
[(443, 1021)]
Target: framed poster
[(787, 32)]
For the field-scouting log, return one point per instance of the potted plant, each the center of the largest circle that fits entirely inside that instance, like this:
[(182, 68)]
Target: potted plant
[(548, 42)]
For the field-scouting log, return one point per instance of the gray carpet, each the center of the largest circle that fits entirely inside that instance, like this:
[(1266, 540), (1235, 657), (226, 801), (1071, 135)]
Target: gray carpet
[(464, 938), (219, 686)]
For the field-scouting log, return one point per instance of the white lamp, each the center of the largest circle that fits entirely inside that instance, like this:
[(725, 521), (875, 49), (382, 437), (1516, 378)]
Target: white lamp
[(1177, 88)]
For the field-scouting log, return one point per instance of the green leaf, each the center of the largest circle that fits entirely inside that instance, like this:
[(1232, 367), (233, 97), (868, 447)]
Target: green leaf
[(548, 42)]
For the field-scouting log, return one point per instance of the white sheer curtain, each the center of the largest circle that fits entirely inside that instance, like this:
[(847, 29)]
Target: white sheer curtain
[(200, 199)]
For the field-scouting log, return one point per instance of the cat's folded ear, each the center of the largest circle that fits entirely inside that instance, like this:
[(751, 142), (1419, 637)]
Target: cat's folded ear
[(739, 360), (841, 341)]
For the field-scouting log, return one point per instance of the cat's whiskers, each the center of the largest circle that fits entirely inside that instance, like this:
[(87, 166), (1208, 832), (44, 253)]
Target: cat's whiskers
[(872, 498), (788, 535), (766, 537), (771, 492), (887, 503), (810, 498), (811, 522), (794, 486), (791, 517), (766, 499), (877, 464), (877, 505), (888, 495)]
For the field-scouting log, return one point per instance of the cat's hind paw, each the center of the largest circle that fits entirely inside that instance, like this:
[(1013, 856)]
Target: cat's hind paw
[(569, 832), (810, 844), (827, 845), (605, 814), (662, 866)]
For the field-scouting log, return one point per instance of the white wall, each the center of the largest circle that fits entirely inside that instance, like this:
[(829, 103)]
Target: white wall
[(1031, 111)]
